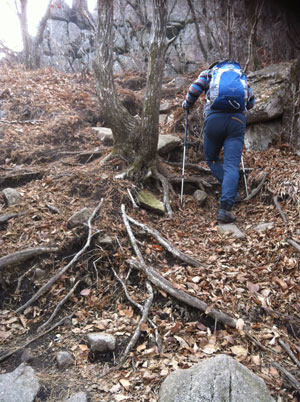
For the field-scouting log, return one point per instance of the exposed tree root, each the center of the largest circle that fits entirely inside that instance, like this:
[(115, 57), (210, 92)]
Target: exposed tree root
[(257, 189), (291, 379), (164, 242), (48, 285), (165, 186), (24, 255), (294, 244), (165, 285), (277, 205)]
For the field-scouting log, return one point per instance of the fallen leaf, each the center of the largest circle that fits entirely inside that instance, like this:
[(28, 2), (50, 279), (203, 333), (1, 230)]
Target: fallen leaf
[(239, 351), (85, 292), (125, 383)]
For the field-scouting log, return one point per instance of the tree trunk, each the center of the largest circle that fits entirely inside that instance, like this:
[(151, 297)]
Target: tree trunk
[(27, 43), (134, 138)]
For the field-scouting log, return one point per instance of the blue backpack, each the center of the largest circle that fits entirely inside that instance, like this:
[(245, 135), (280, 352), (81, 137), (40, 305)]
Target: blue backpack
[(228, 88)]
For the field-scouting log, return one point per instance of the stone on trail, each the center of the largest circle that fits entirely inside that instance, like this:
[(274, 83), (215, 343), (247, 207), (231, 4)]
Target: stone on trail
[(78, 397), (218, 379), (12, 196), (200, 197), (21, 385), (64, 359), (167, 143), (148, 201), (263, 227), (80, 218), (102, 342), (231, 228)]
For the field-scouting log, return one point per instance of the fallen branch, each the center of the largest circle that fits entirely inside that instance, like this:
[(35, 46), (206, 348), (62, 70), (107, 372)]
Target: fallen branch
[(289, 352), (58, 307), (47, 285), (257, 189), (6, 217), (164, 284), (16, 349), (24, 255), (277, 205), (294, 244), (164, 242), (291, 379)]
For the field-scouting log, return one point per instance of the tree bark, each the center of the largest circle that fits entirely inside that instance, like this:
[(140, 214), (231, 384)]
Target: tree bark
[(134, 138)]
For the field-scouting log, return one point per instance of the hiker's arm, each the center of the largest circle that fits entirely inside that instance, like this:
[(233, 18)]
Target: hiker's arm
[(251, 98), (197, 88)]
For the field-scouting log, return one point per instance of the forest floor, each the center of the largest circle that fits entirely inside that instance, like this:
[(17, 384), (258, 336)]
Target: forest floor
[(51, 154)]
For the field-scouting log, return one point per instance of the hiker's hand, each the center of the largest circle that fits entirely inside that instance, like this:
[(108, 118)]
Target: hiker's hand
[(185, 105)]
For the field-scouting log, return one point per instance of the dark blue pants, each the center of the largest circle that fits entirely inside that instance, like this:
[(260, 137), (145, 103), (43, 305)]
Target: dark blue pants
[(225, 130)]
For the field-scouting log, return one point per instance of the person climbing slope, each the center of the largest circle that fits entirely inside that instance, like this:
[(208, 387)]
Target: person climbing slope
[(228, 97)]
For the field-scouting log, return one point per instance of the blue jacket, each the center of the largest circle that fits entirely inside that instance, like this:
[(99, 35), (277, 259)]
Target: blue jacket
[(202, 85)]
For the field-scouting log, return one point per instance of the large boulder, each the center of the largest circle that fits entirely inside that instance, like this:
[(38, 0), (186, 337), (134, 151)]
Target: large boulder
[(272, 87), (214, 380), (21, 385)]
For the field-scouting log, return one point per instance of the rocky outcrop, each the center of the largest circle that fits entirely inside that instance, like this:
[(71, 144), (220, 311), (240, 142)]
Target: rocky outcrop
[(272, 114)]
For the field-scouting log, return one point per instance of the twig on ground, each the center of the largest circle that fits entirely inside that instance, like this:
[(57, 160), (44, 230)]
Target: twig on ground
[(134, 204), (164, 242), (16, 349), (47, 285), (257, 189), (58, 307), (289, 352), (24, 255), (144, 318), (22, 277), (291, 379), (294, 244), (277, 205), (259, 344)]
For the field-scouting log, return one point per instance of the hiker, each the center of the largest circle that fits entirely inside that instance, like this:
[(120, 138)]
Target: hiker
[(228, 96)]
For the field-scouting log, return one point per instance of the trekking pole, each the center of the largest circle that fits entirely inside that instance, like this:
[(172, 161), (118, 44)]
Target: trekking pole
[(244, 174), (184, 153)]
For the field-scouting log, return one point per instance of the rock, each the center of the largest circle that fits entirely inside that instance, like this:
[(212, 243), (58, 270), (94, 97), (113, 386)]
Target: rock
[(64, 359), (105, 241), (27, 355), (105, 135), (12, 196), (21, 385), (39, 273), (165, 107), (218, 379), (78, 397), (80, 218), (101, 342), (167, 143), (231, 228), (148, 201), (200, 197), (263, 227)]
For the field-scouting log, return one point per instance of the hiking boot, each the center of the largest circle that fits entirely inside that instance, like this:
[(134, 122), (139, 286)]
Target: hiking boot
[(238, 197), (225, 216)]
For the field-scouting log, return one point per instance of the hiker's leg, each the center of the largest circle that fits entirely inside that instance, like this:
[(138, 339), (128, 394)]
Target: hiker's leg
[(233, 148), (213, 142)]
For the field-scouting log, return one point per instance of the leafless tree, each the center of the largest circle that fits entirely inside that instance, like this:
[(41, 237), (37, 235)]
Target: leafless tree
[(134, 138)]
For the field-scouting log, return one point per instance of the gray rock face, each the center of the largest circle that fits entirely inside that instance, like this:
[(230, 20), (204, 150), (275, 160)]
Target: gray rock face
[(101, 342), (167, 143), (219, 379), (21, 385)]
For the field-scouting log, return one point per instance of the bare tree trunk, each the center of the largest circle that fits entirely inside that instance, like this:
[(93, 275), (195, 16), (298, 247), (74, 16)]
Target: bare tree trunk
[(134, 138), (123, 125), (150, 115), (21, 8)]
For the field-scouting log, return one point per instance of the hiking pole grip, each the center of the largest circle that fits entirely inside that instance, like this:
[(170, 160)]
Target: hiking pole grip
[(184, 153)]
